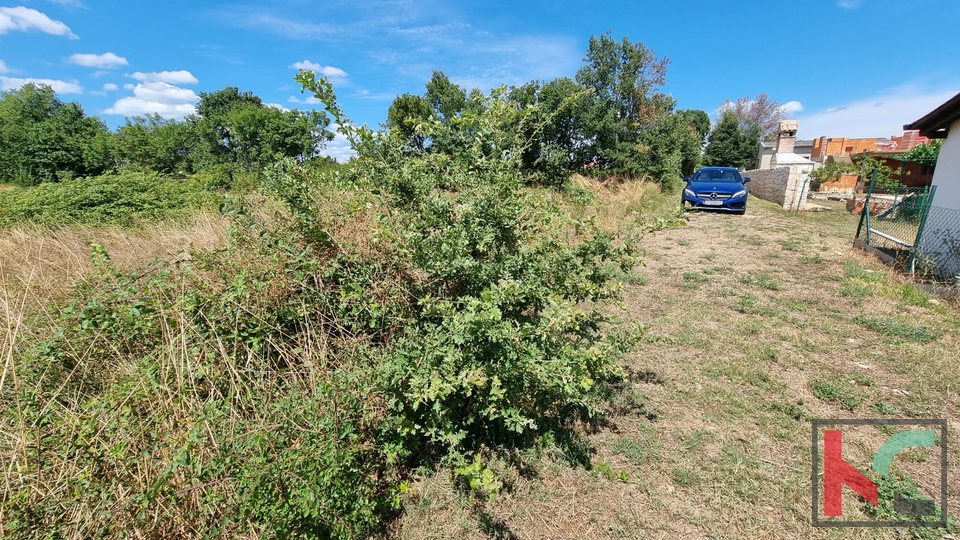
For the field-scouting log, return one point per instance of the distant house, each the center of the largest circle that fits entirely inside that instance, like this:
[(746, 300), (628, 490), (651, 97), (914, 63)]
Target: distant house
[(909, 173), (768, 149), (845, 149), (941, 238), (786, 150)]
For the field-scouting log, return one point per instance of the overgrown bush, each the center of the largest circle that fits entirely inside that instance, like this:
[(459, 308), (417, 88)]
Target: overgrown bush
[(406, 311), (103, 200)]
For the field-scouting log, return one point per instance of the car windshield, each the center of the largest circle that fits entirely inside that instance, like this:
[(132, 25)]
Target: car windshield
[(718, 175)]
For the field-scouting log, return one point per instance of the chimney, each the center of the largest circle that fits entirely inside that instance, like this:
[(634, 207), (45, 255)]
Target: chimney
[(787, 136)]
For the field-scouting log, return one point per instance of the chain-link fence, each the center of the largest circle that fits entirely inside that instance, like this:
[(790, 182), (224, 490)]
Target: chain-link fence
[(938, 250), (892, 220)]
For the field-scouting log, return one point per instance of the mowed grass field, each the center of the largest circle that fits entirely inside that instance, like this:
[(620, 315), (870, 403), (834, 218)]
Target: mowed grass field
[(755, 325)]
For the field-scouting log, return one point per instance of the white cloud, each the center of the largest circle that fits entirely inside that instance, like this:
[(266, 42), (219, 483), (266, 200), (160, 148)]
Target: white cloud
[(172, 77), (130, 106), (69, 3), (306, 64), (882, 115), (60, 87), (4, 68), (791, 107), (849, 4), (109, 87), (26, 19), (106, 60), (129, 86), (339, 149), (164, 93), (329, 71), (309, 100), (167, 100), (278, 107)]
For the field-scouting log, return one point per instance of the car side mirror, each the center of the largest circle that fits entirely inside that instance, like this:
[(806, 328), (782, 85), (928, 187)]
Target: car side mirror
[(746, 179), (687, 178)]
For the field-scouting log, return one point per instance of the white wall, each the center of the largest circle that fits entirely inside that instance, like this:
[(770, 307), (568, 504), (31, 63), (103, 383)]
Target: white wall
[(947, 174), (939, 248)]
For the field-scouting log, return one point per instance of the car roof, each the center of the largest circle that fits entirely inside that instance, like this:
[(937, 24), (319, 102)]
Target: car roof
[(718, 169)]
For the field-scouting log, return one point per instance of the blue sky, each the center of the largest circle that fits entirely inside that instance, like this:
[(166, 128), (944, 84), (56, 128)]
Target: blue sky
[(858, 68)]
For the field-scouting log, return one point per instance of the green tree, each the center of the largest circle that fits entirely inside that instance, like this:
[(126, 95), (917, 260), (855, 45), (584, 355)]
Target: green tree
[(553, 128), (697, 125), (155, 144), (405, 113), (446, 97), (626, 78), (238, 128), (924, 154), (732, 144), (43, 139)]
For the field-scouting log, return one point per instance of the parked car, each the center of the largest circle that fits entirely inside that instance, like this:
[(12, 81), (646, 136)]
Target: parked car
[(716, 188)]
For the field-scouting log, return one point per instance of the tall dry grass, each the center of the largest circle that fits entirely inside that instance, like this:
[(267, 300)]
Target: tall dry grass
[(39, 265), (619, 201)]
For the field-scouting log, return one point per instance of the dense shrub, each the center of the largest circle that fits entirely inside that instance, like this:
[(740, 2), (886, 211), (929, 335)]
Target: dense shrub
[(103, 200), (406, 311)]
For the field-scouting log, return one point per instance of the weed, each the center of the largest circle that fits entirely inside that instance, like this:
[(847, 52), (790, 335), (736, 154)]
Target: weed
[(854, 270), (914, 296), (644, 449), (883, 407), (894, 329), (104, 200), (813, 259), (793, 244), (836, 390), (787, 409), (906, 487), (685, 477), (695, 440), (696, 277), (856, 289)]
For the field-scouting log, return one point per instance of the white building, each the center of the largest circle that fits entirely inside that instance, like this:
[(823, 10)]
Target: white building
[(941, 237)]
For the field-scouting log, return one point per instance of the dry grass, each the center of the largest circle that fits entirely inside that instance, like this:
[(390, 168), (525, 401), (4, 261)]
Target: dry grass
[(619, 201), (39, 265)]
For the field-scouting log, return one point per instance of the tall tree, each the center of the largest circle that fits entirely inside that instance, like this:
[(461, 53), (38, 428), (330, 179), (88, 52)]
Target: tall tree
[(626, 78), (43, 139), (153, 143), (762, 112), (405, 113), (697, 125), (732, 144), (237, 127), (446, 97)]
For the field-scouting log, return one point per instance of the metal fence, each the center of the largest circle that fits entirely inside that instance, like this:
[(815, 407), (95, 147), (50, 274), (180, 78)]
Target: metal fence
[(938, 251), (892, 222)]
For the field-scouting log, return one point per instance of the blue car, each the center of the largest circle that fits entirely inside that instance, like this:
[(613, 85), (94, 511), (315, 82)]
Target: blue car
[(716, 188)]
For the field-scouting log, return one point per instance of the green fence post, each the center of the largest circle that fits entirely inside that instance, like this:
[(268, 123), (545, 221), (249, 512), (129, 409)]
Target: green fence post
[(927, 203), (866, 204)]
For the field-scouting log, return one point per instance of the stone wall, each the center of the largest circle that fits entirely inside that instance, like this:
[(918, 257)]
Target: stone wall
[(786, 186)]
